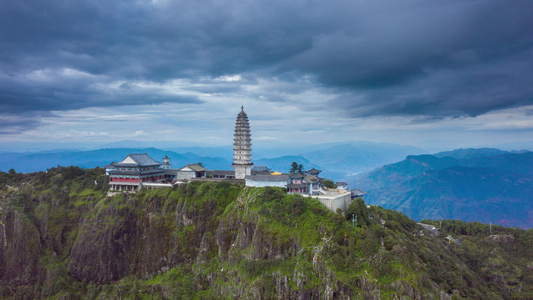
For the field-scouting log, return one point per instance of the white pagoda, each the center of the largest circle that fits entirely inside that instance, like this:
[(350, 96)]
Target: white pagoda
[(242, 146)]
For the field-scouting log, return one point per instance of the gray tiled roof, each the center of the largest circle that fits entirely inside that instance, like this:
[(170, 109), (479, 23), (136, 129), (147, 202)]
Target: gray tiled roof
[(171, 172), (141, 160), (358, 192), (195, 167), (268, 177), (110, 166), (313, 171), (297, 175), (311, 179), (260, 169), (296, 185)]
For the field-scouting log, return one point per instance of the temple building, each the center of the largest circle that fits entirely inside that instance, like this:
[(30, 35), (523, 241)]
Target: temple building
[(242, 147), (297, 184), (357, 193), (166, 163), (191, 171), (314, 172), (130, 173), (341, 185), (334, 198), (304, 183), (267, 179)]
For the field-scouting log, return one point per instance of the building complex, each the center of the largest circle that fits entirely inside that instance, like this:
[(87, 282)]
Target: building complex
[(136, 171)]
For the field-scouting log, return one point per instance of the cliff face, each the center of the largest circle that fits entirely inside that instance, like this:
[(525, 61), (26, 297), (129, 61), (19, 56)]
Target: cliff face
[(216, 240), (20, 259)]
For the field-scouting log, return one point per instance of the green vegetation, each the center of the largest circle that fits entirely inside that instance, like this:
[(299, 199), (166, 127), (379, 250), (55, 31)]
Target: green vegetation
[(296, 168), (328, 183), (215, 240)]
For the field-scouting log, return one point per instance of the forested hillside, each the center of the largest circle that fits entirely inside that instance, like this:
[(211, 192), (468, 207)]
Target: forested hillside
[(65, 239), (485, 185)]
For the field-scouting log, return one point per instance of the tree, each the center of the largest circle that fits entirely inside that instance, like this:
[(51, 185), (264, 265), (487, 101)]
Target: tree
[(358, 208), (300, 168), (328, 183), (294, 167)]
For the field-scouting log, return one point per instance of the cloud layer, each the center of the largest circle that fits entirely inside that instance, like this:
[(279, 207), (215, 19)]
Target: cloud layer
[(421, 59)]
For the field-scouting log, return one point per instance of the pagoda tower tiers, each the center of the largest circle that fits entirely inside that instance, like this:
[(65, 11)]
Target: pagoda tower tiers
[(242, 147)]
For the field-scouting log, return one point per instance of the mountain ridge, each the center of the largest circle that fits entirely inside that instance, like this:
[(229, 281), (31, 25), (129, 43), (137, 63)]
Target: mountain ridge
[(347, 159), (490, 187)]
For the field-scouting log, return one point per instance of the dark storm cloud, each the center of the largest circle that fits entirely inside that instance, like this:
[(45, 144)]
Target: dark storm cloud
[(469, 91), (68, 89), (16, 123), (430, 59)]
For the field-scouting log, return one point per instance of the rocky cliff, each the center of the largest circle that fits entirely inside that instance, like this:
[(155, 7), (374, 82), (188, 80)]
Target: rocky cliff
[(67, 240)]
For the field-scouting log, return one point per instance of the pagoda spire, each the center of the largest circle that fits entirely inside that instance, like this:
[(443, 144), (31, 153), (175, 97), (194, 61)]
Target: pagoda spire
[(242, 146)]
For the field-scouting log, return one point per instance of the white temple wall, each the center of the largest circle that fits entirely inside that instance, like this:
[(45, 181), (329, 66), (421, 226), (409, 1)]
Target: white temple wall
[(261, 183), (333, 202)]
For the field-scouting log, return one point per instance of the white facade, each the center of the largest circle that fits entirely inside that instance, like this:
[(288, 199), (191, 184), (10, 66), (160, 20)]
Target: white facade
[(253, 183), (185, 173), (333, 199), (261, 180), (152, 185)]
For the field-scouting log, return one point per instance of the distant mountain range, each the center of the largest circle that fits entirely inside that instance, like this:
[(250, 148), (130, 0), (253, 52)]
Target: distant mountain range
[(486, 185), (337, 161), (41, 161)]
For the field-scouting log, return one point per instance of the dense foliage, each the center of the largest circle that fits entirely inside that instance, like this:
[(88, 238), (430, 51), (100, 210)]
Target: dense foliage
[(296, 168), (328, 183), (68, 239)]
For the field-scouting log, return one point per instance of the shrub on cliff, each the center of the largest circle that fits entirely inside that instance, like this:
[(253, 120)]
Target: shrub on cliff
[(358, 208)]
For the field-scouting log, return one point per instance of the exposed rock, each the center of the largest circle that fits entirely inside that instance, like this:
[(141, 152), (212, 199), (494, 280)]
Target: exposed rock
[(502, 238), (20, 258)]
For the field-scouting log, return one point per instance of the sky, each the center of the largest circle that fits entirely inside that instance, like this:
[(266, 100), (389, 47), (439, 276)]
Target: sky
[(437, 75)]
